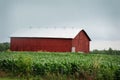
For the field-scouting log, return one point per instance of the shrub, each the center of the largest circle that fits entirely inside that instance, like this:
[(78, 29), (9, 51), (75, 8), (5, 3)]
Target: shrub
[(4, 46)]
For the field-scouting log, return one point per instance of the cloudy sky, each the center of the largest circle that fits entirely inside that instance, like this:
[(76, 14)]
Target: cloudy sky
[(99, 18)]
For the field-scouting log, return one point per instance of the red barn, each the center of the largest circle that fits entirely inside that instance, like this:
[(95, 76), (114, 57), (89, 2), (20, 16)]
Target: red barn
[(51, 40)]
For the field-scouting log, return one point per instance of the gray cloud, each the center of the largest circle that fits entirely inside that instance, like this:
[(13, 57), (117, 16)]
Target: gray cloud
[(100, 18)]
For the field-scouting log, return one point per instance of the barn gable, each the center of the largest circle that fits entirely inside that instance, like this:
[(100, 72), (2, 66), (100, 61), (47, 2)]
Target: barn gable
[(81, 43)]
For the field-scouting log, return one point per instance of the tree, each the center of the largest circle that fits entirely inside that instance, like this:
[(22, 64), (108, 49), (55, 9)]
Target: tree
[(4, 46), (110, 51)]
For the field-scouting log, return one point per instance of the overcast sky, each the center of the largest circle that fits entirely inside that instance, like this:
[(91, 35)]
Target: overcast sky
[(99, 18)]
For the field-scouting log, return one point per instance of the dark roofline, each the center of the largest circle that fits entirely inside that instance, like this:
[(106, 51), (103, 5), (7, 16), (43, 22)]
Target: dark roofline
[(86, 34)]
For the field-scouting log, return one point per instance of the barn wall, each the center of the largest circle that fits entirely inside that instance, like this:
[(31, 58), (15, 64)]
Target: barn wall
[(41, 44), (81, 42)]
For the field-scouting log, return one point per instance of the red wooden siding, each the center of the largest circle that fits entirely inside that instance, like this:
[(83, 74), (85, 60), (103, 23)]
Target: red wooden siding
[(41, 44), (81, 42)]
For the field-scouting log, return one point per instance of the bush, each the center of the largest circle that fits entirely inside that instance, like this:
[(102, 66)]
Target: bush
[(4, 46)]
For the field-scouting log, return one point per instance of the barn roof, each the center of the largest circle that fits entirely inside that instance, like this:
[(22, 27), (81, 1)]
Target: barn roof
[(48, 32)]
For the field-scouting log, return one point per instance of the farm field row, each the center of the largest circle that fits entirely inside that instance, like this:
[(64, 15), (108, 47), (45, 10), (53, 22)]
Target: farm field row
[(69, 65)]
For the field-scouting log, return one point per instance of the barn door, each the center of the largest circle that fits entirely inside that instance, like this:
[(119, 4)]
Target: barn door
[(73, 49)]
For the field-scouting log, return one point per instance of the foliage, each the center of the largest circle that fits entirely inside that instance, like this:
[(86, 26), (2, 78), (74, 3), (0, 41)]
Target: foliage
[(66, 65), (110, 51), (4, 46)]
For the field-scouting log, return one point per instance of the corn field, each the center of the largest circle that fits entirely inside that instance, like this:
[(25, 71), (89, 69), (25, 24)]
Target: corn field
[(74, 66)]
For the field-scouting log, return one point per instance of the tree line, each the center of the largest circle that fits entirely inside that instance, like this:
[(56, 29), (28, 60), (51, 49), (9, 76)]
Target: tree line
[(110, 51)]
